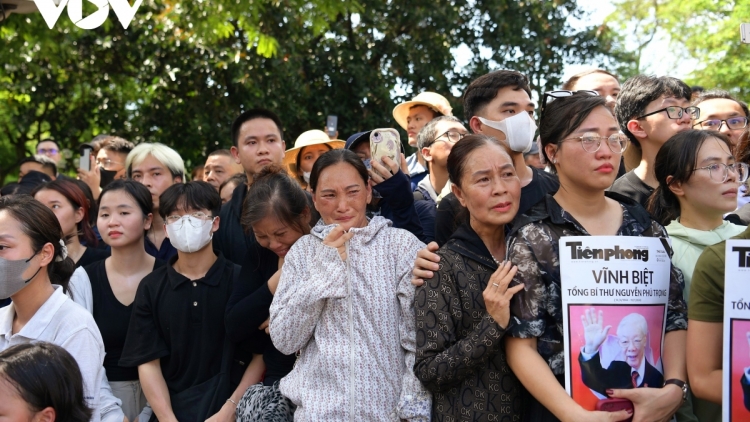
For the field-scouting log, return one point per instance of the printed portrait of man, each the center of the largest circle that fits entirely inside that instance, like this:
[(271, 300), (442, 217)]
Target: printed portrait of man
[(633, 371)]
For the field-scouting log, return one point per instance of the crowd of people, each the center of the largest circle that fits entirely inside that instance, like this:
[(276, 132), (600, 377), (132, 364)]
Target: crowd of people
[(323, 281)]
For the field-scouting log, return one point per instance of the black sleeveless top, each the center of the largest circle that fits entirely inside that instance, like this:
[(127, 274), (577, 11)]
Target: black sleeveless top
[(112, 318)]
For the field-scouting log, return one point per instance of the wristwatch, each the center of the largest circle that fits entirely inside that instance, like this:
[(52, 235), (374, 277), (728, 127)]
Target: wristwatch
[(682, 384)]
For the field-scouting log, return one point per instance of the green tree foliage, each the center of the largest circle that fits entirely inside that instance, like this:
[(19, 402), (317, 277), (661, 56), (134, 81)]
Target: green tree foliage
[(182, 71), (702, 31)]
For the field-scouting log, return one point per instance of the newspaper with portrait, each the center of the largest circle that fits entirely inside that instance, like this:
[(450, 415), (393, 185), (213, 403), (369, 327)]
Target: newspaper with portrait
[(614, 295), (736, 362)]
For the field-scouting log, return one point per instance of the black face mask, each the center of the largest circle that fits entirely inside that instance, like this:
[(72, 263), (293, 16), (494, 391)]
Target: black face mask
[(107, 177)]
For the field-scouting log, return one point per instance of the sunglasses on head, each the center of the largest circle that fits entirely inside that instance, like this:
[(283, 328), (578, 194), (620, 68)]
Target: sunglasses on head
[(560, 94)]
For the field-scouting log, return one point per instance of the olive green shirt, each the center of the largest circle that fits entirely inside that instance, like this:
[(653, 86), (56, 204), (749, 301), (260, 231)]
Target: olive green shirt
[(706, 300)]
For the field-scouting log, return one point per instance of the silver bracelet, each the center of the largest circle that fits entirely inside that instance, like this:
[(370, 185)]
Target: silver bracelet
[(232, 401)]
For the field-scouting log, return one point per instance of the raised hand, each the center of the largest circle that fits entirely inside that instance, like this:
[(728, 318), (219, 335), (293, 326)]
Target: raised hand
[(497, 295), (594, 331), (337, 238)]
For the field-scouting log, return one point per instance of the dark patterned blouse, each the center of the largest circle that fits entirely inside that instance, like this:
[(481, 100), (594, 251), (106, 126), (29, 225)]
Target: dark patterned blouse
[(460, 353), (533, 247)]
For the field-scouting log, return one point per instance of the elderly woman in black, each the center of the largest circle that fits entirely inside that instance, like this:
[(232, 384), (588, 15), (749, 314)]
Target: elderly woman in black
[(463, 310)]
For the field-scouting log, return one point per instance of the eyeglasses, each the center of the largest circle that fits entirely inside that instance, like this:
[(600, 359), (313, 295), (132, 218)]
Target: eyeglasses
[(560, 94), (591, 142), (180, 219), (715, 124), (452, 136), (719, 172), (675, 112), (106, 162), (47, 151), (636, 342)]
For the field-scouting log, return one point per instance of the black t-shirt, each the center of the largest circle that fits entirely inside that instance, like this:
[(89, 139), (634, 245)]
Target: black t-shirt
[(91, 255), (112, 317), (631, 186), (450, 213), (181, 322), (248, 308)]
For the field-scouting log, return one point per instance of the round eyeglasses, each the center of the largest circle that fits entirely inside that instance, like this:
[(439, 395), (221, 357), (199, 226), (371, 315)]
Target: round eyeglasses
[(591, 142), (451, 136), (719, 172), (198, 220), (715, 124), (675, 112)]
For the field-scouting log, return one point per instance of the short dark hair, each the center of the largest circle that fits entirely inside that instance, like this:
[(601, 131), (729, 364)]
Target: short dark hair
[(639, 91), (563, 115), (239, 179), (458, 157), (117, 144), (482, 90), (46, 375), (49, 140), (677, 158), (273, 192), (220, 152), (720, 93), (571, 83), (137, 191), (333, 157), (43, 160), (196, 195), (254, 113), (427, 135), (41, 225)]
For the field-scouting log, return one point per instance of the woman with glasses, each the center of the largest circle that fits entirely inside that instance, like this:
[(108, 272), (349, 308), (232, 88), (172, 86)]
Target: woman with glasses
[(698, 181), (107, 288), (581, 141)]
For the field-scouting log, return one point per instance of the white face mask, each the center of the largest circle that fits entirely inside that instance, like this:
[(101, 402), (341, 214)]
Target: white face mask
[(190, 234), (306, 176), (519, 130)]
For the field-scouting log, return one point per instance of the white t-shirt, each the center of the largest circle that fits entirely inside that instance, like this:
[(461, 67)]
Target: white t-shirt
[(62, 322)]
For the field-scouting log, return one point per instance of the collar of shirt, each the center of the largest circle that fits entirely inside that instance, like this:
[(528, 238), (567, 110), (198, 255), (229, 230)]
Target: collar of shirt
[(38, 323), (641, 371), (211, 278), (635, 220)]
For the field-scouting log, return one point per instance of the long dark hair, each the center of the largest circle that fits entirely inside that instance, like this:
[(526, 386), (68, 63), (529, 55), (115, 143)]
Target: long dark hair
[(46, 375), (677, 158), (77, 200), (273, 192), (41, 225)]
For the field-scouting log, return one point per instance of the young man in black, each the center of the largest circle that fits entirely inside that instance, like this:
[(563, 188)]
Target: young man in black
[(257, 142), (176, 335), (649, 111), (488, 100)]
